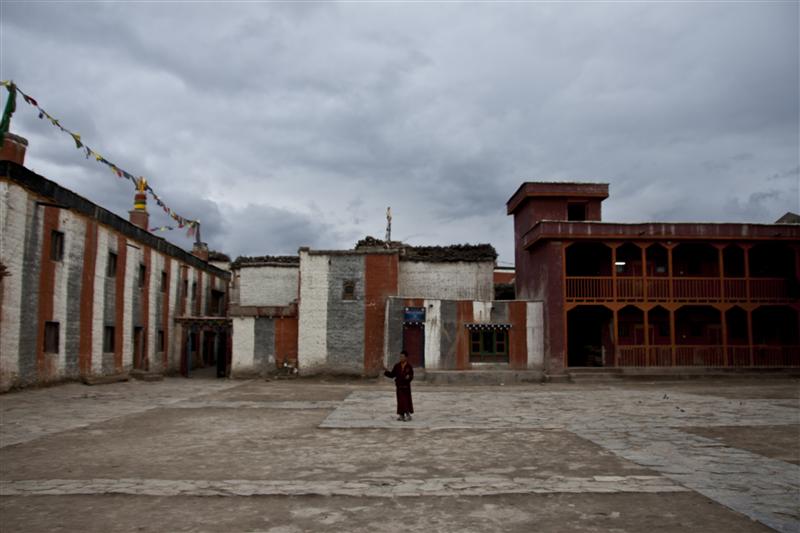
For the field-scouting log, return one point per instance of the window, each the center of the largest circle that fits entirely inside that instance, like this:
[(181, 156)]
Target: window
[(160, 340), (348, 290), (217, 299), (576, 211), (185, 288), (194, 290), (164, 281), (51, 337), (489, 345), (56, 245), (142, 275), (108, 339), (111, 267)]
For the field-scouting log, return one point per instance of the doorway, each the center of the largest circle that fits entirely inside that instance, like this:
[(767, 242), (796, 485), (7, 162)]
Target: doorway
[(138, 349), (414, 344)]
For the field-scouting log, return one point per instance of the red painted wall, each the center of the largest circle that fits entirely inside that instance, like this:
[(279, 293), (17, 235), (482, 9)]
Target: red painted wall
[(380, 282), (286, 341)]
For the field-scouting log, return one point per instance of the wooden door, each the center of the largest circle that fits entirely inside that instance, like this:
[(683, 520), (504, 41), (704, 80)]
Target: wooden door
[(414, 344)]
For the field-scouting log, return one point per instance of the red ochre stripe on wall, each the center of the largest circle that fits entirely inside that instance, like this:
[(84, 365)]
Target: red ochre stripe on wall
[(119, 300), (463, 316), (517, 335), (87, 298), (198, 300), (380, 281), (165, 310), (47, 277), (146, 308), (286, 340)]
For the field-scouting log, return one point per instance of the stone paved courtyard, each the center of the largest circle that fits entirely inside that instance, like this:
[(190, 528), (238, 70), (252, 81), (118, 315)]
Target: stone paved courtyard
[(316, 455)]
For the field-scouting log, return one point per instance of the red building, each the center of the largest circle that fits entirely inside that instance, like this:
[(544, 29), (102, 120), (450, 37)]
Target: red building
[(654, 294)]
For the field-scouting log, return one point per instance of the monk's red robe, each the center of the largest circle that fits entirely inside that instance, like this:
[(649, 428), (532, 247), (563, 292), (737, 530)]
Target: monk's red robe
[(402, 374)]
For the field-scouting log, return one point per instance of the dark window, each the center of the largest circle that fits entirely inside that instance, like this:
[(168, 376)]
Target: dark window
[(56, 245), (142, 275), (489, 346), (348, 290), (576, 211), (185, 288), (51, 337), (111, 267), (108, 339), (161, 340), (217, 299), (194, 290), (164, 281)]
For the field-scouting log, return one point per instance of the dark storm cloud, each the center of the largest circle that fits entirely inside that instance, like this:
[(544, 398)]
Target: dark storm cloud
[(288, 124)]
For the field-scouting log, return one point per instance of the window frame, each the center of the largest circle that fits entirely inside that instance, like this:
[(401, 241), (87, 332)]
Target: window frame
[(52, 333), (498, 340), (112, 264), (109, 339), (56, 245)]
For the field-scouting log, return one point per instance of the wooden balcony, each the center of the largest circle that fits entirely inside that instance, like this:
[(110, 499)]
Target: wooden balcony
[(756, 356), (663, 289)]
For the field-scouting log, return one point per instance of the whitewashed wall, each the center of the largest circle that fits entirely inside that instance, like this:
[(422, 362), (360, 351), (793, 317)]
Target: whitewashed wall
[(446, 281), (313, 311), (243, 346), (13, 210), (268, 285)]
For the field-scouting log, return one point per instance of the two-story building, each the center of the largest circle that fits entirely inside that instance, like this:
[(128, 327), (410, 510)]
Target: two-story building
[(654, 294)]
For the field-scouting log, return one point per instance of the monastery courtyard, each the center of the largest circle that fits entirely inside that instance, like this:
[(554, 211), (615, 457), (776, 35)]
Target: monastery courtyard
[(328, 455)]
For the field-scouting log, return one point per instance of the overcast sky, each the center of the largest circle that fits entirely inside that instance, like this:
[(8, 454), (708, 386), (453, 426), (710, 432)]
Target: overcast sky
[(282, 125)]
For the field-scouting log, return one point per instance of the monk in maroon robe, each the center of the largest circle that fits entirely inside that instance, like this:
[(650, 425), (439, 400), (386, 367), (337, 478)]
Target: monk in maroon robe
[(402, 374)]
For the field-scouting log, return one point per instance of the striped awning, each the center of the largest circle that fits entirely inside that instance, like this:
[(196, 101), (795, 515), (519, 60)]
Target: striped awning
[(487, 326)]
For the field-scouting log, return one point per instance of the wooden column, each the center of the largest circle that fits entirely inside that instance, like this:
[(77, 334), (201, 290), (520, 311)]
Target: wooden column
[(614, 271), (644, 272), (646, 324), (721, 271), (749, 311), (723, 312), (672, 329), (670, 247), (746, 248), (615, 339)]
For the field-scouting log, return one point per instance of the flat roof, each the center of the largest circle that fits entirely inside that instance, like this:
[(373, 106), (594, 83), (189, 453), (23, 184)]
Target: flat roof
[(555, 189), (68, 199)]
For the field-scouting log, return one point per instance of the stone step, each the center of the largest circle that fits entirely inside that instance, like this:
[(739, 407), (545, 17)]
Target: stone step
[(480, 377), (104, 380), (143, 375)]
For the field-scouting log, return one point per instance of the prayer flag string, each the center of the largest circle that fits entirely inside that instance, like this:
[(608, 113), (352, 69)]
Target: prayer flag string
[(81, 145)]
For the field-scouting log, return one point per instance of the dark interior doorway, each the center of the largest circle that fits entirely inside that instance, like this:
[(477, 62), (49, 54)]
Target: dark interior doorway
[(414, 344), (138, 349), (589, 339)]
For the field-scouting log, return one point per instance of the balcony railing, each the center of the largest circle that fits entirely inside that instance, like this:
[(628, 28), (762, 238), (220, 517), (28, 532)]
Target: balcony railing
[(711, 355), (657, 289)]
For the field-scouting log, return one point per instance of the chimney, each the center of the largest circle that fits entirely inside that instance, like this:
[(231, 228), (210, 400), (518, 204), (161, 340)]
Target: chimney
[(200, 250), (139, 215), (14, 148)]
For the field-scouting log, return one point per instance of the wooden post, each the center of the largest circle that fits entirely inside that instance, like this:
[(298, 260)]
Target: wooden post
[(672, 328), (615, 339), (670, 247), (644, 272), (721, 272), (746, 248), (723, 313), (614, 272), (749, 311), (646, 337)]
